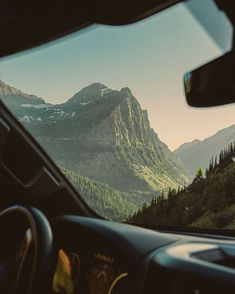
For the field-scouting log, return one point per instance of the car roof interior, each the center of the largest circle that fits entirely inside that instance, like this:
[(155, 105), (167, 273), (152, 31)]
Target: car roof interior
[(33, 23)]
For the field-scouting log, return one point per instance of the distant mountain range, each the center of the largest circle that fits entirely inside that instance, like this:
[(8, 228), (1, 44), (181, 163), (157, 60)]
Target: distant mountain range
[(101, 134), (198, 153)]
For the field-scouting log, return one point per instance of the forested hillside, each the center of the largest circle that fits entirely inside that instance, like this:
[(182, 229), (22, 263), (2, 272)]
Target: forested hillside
[(208, 202), (103, 199)]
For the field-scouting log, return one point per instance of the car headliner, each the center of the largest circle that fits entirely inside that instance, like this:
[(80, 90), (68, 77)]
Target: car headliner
[(26, 24)]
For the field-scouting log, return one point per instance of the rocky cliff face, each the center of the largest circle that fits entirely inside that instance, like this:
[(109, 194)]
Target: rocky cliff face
[(105, 135)]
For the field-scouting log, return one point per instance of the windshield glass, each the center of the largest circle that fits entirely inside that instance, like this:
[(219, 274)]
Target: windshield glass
[(107, 104)]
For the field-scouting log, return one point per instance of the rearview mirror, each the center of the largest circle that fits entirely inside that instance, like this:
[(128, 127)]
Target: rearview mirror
[(212, 84)]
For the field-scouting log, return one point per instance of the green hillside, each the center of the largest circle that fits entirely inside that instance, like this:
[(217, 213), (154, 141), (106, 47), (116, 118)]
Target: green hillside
[(208, 202), (106, 201)]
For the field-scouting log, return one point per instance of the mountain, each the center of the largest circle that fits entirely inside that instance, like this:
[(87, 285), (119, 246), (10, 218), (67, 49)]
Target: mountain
[(208, 202), (105, 135), (14, 98), (109, 139), (198, 153), (186, 146), (93, 92)]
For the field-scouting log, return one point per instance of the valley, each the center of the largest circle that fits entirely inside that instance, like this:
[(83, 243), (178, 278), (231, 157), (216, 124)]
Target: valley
[(102, 140)]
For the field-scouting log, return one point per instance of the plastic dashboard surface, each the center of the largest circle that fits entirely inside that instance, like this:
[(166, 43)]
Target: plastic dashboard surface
[(102, 257)]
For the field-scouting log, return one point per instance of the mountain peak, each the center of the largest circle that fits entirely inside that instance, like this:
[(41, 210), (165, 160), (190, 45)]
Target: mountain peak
[(126, 90), (89, 93), (97, 92), (96, 86), (8, 93), (92, 88)]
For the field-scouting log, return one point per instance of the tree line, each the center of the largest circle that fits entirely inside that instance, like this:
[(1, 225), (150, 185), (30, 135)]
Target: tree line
[(208, 202)]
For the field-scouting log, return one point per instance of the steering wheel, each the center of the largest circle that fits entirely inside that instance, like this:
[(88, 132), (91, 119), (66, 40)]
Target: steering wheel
[(26, 251)]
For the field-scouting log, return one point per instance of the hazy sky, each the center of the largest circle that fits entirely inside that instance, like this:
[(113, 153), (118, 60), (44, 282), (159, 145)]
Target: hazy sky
[(150, 57)]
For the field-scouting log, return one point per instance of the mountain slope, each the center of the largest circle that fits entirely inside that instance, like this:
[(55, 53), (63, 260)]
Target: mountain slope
[(199, 154), (104, 135), (186, 146), (13, 97), (208, 202), (103, 199), (110, 140)]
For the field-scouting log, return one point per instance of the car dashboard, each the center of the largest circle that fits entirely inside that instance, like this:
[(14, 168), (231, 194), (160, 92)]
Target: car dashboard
[(98, 256)]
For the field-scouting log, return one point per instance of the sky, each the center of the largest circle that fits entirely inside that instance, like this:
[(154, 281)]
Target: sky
[(150, 57)]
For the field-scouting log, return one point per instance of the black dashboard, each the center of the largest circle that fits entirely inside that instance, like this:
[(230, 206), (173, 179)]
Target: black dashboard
[(102, 257), (81, 255)]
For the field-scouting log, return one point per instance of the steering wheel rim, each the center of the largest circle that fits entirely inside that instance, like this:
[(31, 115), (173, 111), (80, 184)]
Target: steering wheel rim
[(42, 239)]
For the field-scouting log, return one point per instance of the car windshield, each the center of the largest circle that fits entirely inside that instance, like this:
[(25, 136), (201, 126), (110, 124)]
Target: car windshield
[(107, 104)]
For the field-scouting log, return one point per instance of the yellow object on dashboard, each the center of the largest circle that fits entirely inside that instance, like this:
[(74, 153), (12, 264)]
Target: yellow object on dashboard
[(64, 281)]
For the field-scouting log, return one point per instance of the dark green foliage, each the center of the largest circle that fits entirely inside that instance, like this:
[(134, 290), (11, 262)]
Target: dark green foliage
[(208, 202), (104, 200)]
